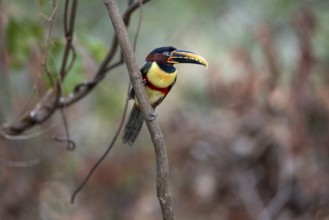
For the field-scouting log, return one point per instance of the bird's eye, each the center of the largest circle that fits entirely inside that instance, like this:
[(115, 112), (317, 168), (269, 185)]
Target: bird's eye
[(166, 53)]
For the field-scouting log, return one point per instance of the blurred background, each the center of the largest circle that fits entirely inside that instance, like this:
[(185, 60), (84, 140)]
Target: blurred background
[(246, 139)]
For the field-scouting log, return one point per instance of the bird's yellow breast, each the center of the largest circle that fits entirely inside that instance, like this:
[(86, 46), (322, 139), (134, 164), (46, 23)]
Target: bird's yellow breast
[(160, 78)]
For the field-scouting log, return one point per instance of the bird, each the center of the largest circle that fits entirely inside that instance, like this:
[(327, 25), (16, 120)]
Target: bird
[(159, 76)]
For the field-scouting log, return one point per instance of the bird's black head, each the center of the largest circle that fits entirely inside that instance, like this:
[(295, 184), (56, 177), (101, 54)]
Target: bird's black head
[(170, 55), (160, 50)]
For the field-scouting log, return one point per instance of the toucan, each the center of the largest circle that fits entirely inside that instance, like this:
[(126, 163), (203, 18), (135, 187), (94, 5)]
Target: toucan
[(159, 76)]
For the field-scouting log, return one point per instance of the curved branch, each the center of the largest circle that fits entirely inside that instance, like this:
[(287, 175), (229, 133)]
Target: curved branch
[(84, 88), (107, 151), (52, 100), (162, 167)]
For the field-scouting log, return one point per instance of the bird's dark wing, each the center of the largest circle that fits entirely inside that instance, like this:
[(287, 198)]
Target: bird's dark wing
[(143, 71), (145, 68)]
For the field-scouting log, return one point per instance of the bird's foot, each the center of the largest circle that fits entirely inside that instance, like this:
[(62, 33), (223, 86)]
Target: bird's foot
[(154, 115), (144, 82)]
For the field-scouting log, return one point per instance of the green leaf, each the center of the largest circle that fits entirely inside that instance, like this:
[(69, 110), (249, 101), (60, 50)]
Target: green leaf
[(41, 3), (22, 35)]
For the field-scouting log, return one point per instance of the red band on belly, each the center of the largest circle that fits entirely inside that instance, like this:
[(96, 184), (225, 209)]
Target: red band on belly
[(154, 87)]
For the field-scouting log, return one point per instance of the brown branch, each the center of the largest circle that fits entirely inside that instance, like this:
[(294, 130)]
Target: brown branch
[(162, 167), (52, 100), (138, 25), (51, 21), (70, 143), (49, 103), (109, 148), (83, 89), (19, 164)]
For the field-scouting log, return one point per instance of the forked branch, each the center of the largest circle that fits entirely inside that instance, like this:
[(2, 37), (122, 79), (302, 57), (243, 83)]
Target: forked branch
[(53, 99)]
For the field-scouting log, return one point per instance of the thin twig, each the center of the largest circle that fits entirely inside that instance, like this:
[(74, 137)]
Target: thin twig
[(123, 117), (69, 30), (70, 142), (84, 88), (162, 166), (27, 136), (65, 67), (139, 24), (99, 161), (19, 164), (51, 20), (52, 100)]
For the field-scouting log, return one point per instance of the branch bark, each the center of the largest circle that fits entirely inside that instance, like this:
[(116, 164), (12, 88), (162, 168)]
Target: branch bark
[(162, 167), (52, 100)]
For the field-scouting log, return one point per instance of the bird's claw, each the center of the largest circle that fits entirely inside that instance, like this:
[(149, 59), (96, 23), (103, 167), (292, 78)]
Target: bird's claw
[(144, 82), (154, 115)]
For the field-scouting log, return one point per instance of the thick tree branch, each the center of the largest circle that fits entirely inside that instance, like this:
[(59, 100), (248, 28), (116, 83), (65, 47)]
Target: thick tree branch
[(162, 166)]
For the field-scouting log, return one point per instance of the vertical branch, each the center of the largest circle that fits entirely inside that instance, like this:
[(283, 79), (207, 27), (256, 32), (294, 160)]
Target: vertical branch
[(162, 167)]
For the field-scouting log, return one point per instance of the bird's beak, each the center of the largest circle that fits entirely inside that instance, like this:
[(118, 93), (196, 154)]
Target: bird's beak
[(183, 56)]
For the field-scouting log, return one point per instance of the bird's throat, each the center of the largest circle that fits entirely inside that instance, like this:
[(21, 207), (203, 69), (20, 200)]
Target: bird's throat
[(160, 78)]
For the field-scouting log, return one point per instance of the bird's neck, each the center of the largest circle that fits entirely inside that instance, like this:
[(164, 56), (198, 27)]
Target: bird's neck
[(159, 77)]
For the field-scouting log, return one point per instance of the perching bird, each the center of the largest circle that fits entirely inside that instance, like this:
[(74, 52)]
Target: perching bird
[(159, 75)]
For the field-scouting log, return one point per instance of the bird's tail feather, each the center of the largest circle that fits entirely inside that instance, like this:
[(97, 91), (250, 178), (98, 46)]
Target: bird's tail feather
[(133, 126)]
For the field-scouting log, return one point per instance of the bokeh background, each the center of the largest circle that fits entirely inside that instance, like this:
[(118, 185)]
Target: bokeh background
[(246, 139)]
